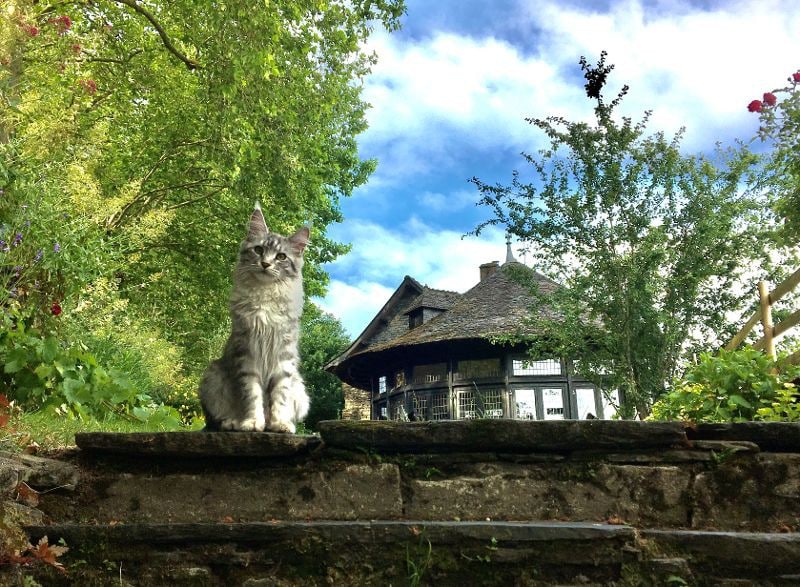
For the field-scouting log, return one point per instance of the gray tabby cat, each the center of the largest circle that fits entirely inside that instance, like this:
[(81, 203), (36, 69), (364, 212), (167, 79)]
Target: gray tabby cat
[(256, 383)]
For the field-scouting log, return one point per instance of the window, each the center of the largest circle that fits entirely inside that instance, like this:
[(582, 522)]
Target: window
[(553, 403), (545, 367), (383, 411), (420, 406), (477, 369), (492, 400), (586, 403), (415, 319), (610, 403), (429, 373), (382, 384), (525, 404), (466, 405), (439, 408)]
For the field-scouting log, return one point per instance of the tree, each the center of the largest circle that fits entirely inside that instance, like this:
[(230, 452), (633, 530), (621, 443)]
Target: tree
[(323, 338), (647, 241), (137, 135), (779, 112)]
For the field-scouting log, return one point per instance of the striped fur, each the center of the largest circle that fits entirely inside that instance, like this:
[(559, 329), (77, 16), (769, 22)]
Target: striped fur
[(256, 384)]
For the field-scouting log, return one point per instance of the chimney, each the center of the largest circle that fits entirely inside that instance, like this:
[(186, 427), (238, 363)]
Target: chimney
[(488, 269)]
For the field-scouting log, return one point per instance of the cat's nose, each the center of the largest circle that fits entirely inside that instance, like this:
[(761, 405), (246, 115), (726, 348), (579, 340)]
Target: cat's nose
[(265, 265)]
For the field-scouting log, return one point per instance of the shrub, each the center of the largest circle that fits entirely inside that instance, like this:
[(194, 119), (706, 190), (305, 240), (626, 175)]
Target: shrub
[(732, 386)]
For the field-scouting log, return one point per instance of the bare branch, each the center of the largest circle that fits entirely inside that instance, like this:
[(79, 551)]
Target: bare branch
[(190, 63)]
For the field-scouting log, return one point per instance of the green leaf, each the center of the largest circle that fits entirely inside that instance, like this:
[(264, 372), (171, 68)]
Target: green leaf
[(740, 401)]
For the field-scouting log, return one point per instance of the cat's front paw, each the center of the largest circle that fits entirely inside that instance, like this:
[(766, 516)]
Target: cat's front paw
[(251, 425), (283, 427)]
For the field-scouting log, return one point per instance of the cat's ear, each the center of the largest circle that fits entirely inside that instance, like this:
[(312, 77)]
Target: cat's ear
[(299, 239), (258, 226)]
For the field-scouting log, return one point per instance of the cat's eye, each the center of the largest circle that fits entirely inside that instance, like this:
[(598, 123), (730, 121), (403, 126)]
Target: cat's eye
[(258, 250), (280, 256)]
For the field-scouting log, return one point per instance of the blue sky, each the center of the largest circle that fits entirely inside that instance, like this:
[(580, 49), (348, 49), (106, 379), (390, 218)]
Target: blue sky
[(452, 88)]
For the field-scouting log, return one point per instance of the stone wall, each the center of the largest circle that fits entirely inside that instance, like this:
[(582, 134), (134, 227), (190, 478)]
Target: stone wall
[(356, 403)]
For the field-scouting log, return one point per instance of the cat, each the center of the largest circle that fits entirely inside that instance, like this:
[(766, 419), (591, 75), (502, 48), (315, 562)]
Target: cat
[(256, 384)]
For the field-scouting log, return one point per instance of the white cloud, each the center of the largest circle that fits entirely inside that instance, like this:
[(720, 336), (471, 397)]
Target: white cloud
[(693, 67), (354, 304), (381, 258), (447, 202)]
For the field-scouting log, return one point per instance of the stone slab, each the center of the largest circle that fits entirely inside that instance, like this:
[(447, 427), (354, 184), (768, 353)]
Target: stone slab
[(38, 472), (487, 435), (732, 554), (342, 491), (769, 436), (637, 495), (367, 532), (761, 492), (198, 444)]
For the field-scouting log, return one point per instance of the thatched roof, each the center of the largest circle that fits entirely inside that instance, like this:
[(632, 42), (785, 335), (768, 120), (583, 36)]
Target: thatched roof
[(497, 305)]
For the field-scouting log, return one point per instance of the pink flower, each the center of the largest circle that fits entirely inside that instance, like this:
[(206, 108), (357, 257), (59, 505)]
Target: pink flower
[(796, 76), (55, 309), (755, 106), (770, 99)]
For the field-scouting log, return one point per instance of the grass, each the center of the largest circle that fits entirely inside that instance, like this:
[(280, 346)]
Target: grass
[(47, 432)]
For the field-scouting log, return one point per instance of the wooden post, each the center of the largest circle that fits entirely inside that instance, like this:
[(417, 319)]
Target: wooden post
[(766, 320)]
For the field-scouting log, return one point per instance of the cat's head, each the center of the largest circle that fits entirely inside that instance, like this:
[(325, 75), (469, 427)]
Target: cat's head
[(270, 256)]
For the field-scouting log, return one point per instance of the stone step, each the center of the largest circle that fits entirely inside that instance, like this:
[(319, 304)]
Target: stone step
[(257, 477), (413, 552)]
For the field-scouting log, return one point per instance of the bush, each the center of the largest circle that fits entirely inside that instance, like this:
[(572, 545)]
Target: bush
[(39, 373), (732, 386)]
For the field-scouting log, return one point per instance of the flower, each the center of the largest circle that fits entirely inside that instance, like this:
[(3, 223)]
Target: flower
[(63, 23), (31, 30), (55, 309), (770, 99), (89, 85), (39, 255), (796, 76), (56, 247), (76, 48), (4, 246), (755, 106), (17, 239)]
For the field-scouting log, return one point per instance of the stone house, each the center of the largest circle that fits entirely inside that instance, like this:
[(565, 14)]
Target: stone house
[(428, 355)]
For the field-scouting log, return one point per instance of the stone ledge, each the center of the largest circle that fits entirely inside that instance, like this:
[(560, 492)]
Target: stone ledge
[(366, 532), (513, 436), (769, 436), (198, 444)]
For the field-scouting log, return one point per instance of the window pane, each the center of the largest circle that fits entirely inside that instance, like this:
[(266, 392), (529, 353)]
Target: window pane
[(439, 409), (429, 373), (586, 405), (466, 405), (382, 384), (546, 367), (420, 407), (492, 403), (609, 407), (525, 403), (476, 369), (553, 403)]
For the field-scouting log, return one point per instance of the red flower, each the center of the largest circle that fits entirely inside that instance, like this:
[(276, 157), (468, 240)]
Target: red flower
[(31, 30), (55, 309), (76, 49), (89, 85), (755, 106), (770, 99), (796, 76), (62, 23)]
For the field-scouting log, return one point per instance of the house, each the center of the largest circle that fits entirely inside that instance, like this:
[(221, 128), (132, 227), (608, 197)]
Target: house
[(428, 355)]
